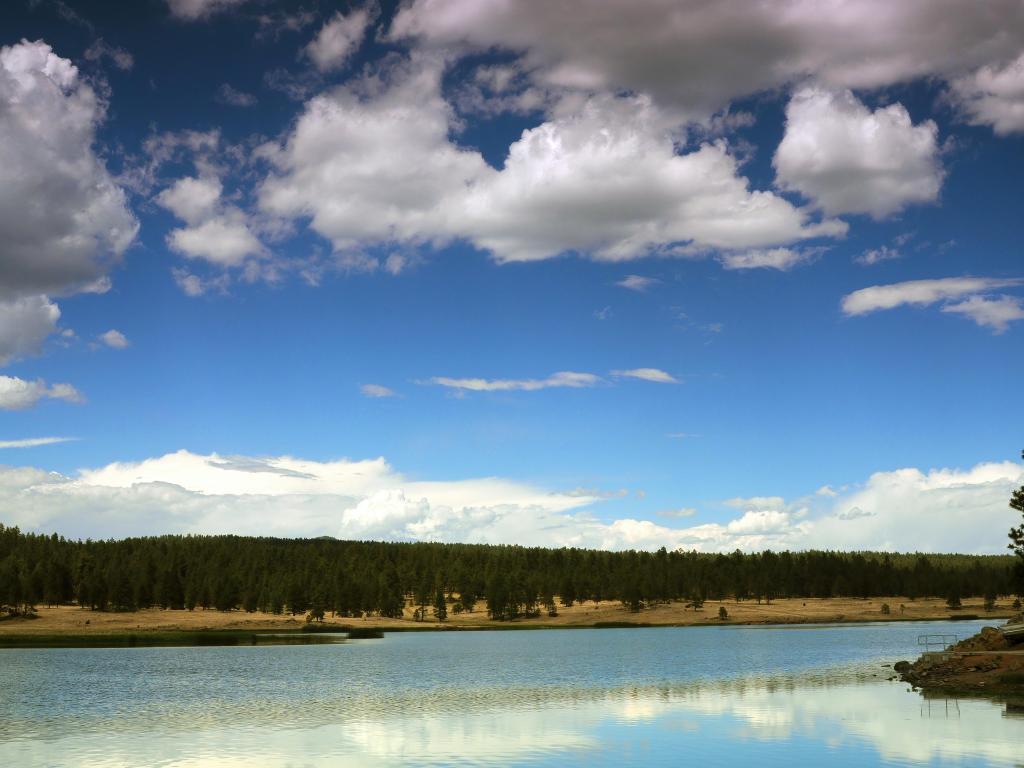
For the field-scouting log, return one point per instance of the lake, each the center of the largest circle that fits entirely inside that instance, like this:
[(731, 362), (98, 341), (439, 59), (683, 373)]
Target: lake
[(649, 696)]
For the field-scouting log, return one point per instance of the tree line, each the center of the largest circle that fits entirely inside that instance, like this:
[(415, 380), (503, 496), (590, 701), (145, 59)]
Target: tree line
[(359, 578)]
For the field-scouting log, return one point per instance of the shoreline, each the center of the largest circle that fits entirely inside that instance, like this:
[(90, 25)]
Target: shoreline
[(69, 624)]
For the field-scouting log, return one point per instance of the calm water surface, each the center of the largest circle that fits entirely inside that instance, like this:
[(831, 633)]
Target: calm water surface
[(712, 696)]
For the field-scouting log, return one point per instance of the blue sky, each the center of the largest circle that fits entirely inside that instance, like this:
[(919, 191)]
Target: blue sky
[(671, 284)]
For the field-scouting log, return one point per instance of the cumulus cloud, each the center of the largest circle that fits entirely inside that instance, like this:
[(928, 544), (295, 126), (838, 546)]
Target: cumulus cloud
[(647, 374), (941, 510), (191, 10), (24, 325), (571, 379), (848, 159), (338, 39), (699, 56), (183, 492), (216, 232), (377, 390), (781, 259), (192, 199), (993, 95), (63, 220), (115, 339), (18, 394), (607, 181), (996, 313), (372, 162)]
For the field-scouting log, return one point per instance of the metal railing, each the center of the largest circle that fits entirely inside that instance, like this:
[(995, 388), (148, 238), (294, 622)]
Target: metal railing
[(937, 644)]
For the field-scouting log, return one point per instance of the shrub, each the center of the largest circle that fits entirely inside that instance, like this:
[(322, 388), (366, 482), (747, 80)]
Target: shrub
[(885, 609), (722, 613)]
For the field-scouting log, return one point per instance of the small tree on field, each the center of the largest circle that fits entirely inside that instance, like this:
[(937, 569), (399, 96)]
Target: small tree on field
[(722, 613), (953, 601), (885, 609), (440, 605)]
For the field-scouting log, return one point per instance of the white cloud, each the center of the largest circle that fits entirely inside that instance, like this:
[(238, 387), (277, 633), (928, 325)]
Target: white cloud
[(993, 95), (115, 339), (682, 512), (906, 509), (192, 199), (191, 10), (225, 241), (18, 394), (372, 163), (781, 259), (24, 325), (63, 220), (100, 49), (606, 180), (33, 442), (877, 255), (194, 285), (338, 39), (571, 379), (942, 510), (638, 283), (700, 56), (848, 159), (996, 313), (227, 94), (919, 293), (216, 232), (647, 374), (377, 390)]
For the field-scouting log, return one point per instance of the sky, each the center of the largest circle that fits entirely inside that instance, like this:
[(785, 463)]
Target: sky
[(709, 275)]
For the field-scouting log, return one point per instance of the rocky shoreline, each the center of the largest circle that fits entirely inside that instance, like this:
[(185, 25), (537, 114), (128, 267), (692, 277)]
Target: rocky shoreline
[(985, 663)]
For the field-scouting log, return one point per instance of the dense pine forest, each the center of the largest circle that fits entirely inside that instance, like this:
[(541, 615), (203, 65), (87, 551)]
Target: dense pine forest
[(357, 578)]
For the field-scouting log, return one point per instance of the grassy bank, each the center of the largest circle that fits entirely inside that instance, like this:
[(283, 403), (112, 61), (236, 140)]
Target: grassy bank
[(157, 626)]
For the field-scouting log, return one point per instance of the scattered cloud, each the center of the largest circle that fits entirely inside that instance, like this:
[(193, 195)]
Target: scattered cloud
[(339, 38), (603, 314), (638, 283), (847, 159), (33, 442), (233, 97), (377, 390), (646, 374), (100, 50), (678, 513), (193, 10), (877, 255), (995, 313), (993, 95), (682, 435), (372, 162), (782, 259), (18, 394), (114, 339), (570, 379)]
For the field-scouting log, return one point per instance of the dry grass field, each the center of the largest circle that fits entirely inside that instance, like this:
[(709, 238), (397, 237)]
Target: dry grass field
[(71, 620)]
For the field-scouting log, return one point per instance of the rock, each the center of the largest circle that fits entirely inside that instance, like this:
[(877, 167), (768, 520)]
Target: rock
[(901, 666)]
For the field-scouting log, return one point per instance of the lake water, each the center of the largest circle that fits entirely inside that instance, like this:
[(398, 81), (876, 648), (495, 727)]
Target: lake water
[(652, 696)]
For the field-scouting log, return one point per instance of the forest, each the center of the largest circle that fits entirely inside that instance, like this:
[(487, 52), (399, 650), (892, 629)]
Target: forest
[(360, 578)]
